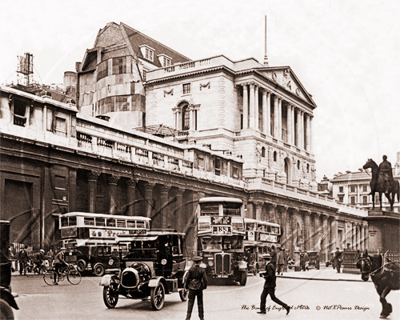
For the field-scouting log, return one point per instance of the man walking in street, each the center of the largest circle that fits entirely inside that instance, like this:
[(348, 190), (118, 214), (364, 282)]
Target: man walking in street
[(280, 261), (196, 282), (23, 260), (269, 289), (338, 259)]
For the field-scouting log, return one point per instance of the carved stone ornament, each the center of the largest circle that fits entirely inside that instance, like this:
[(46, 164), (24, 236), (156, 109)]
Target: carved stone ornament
[(274, 76), (298, 92), (171, 92), (207, 85)]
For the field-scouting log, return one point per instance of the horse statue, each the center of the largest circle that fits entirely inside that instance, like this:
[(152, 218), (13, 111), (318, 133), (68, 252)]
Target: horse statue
[(377, 184), (384, 274)]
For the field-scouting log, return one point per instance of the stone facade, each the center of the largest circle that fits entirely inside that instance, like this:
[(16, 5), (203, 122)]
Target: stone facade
[(238, 129)]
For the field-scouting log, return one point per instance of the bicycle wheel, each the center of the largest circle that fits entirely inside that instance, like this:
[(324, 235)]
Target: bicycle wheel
[(74, 277), (50, 278)]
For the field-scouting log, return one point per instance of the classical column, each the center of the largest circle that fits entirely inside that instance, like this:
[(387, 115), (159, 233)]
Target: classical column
[(325, 234), (302, 130), (279, 119), (308, 132), (272, 212), (252, 107), (259, 207), (284, 226), (358, 236), (294, 229), (131, 195), (178, 217), (266, 125), (92, 184), (307, 234), (112, 181), (276, 117), (311, 134), (353, 236), (289, 124), (317, 231), (245, 107), (148, 196), (298, 128), (293, 142), (268, 113), (334, 233), (256, 108), (192, 118), (165, 219)]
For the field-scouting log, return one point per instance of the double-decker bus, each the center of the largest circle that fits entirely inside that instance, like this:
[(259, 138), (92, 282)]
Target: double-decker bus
[(220, 235), (260, 237), (90, 238)]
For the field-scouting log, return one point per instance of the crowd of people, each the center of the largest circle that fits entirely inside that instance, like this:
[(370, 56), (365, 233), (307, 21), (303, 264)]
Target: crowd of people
[(26, 261)]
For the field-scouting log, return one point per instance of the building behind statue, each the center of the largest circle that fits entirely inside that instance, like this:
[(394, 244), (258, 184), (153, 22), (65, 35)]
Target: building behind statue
[(151, 127)]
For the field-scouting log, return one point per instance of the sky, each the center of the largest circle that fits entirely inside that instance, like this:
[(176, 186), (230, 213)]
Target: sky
[(345, 53)]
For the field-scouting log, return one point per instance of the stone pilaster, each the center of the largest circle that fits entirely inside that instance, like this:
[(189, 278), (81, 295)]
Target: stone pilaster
[(148, 196), (245, 107), (112, 181), (252, 107), (307, 228), (259, 208), (131, 195), (92, 184)]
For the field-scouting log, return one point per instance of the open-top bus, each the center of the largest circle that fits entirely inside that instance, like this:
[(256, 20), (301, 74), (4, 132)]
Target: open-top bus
[(220, 235), (90, 238), (260, 237)]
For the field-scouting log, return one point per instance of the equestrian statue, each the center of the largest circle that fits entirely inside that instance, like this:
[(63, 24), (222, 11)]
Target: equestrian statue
[(382, 182)]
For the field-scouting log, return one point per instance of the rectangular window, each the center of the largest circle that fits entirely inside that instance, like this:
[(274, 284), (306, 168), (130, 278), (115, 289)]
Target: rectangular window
[(149, 54), (217, 164), (102, 70), (88, 221), (61, 126), (352, 188), (340, 189), (365, 188), (365, 200), (110, 222), (19, 113), (186, 88), (341, 199), (100, 222), (121, 223), (353, 200), (119, 65)]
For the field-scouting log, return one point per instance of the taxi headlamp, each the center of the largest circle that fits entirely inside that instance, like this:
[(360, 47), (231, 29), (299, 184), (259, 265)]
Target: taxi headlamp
[(164, 262)]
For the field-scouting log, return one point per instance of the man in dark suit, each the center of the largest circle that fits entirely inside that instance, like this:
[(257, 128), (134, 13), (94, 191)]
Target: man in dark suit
[(269, 288), (196, 282), (338, 259)]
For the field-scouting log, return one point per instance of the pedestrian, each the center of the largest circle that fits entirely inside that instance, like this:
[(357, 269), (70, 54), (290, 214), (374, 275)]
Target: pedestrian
[(280, 262), (50, 257), (269, 288), (302, 261), (307, 261), (285, 260), (23, 260), (273, 256), (196, 281), (338, 260)]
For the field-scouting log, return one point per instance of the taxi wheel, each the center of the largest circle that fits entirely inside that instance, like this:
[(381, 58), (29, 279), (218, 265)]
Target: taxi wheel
[(110, 297), (243, 278), (99, 269), (5, 310), (183, 294), (157, 297)]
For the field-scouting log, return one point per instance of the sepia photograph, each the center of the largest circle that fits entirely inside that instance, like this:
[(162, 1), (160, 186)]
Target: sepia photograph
[(199, 159)]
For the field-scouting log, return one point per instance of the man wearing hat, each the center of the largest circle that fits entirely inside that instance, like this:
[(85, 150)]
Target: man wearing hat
[(59, 262), (196, 282), (269, 287)]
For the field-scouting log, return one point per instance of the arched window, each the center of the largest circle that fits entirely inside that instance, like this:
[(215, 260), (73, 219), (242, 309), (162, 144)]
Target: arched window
[(185, 118), (263, 152), (298, 164), (308, 168), (275, 156)]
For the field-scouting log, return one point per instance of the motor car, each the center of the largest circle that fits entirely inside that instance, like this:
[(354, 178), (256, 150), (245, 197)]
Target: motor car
[(96, 259), (7, 301), (152, 266)]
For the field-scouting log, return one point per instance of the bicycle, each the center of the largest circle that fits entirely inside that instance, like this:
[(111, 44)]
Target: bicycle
[(70, 272)]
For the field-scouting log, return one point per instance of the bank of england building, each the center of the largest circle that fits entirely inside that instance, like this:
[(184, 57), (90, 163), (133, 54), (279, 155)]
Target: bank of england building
[(150, 131)]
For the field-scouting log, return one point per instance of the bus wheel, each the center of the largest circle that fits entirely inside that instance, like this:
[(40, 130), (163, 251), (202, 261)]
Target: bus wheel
[(99, 269), (81, 264), (243, 278)]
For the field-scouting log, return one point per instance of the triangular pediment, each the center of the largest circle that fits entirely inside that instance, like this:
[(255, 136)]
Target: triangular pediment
[(285, 77)]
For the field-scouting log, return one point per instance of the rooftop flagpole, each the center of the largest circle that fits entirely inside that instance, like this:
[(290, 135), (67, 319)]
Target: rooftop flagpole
[(265, 55)]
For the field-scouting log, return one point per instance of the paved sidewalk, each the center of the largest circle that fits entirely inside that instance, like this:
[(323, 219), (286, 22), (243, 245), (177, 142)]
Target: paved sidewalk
[(325, 273)]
